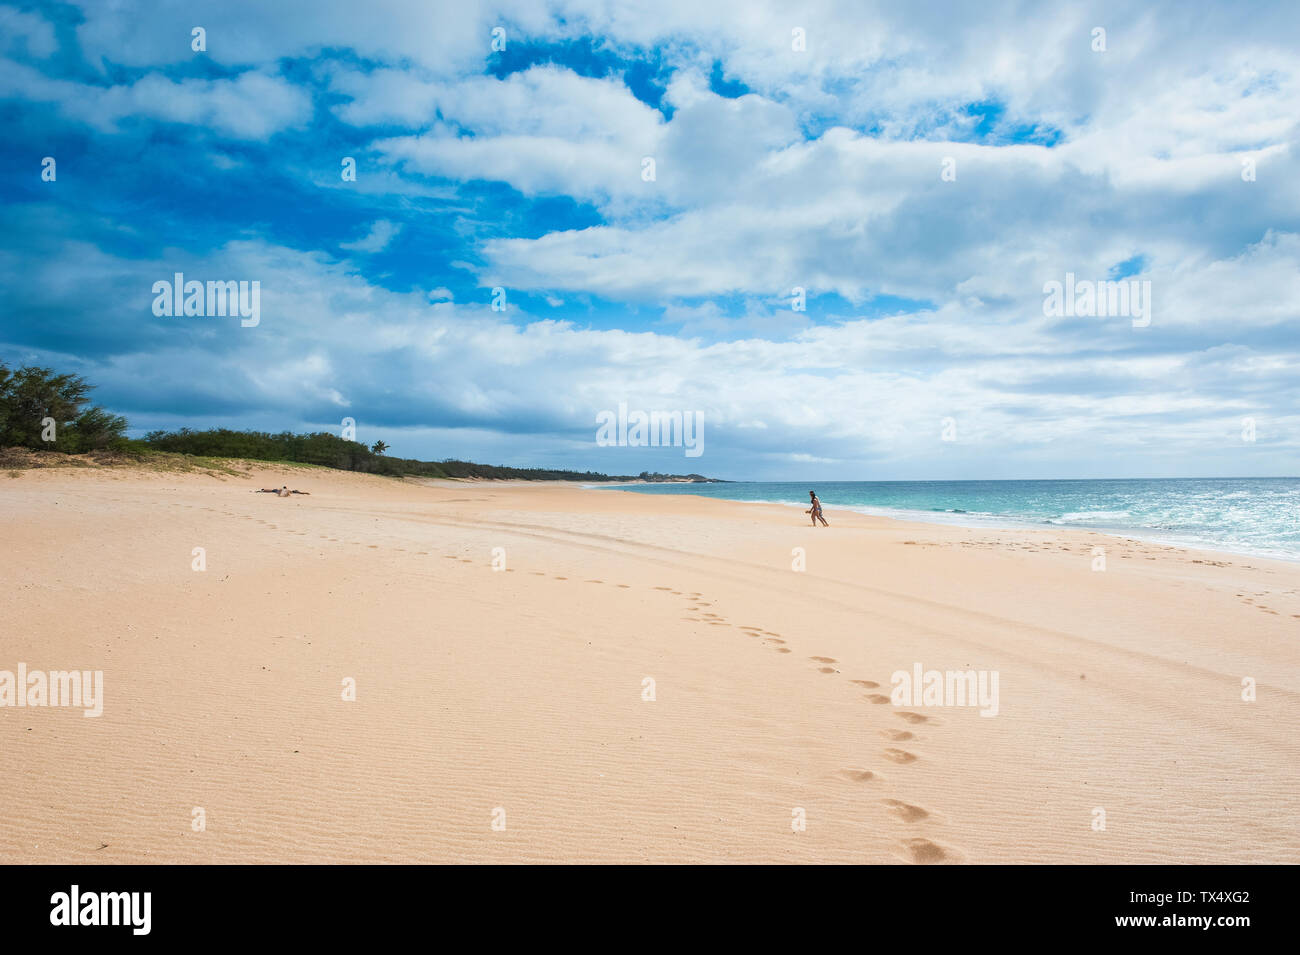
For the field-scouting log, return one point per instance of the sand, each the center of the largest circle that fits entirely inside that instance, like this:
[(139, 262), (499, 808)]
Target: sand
[(500, 715)]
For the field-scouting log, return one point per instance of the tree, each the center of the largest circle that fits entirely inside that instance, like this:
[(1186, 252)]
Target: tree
[(378, 448), (49, 412)]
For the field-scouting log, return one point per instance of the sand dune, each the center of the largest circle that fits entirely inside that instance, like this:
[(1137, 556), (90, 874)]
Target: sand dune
[(518, 694)]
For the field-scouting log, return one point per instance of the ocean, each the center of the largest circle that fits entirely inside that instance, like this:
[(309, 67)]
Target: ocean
[(1256, 516)]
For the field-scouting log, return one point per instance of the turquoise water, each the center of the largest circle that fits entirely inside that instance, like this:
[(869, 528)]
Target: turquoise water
[(1258, 516)]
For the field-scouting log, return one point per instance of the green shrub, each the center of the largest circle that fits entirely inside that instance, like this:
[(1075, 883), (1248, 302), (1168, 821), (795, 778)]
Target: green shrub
[(31, 395)]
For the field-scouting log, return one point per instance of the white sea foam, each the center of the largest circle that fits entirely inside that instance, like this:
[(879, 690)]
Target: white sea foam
[(1089, 517)]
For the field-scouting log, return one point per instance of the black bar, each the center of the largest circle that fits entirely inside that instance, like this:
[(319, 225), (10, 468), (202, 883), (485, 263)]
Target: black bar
[(976, 904)]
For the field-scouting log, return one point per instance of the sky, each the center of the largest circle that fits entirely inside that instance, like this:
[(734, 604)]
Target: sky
[(827, 229)]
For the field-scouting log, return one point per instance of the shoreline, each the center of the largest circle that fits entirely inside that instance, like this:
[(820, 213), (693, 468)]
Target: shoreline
[(1009, 523), (243, 467)]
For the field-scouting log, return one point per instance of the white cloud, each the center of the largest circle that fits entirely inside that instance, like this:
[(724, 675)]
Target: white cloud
[(544, 130), (382, 232), (252, 105), (21, 31), (852, 393)]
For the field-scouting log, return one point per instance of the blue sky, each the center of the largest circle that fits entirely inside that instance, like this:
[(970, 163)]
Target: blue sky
[(920, 171)]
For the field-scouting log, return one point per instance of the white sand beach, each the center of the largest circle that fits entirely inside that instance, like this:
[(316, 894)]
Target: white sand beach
[(518, 694)]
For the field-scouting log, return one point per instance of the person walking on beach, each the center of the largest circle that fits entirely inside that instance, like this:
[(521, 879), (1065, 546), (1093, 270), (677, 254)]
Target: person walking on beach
[(816, 510)]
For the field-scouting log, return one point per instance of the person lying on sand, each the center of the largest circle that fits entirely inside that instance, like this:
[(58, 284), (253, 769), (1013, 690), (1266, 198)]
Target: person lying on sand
[(816, 510), (282, 491)]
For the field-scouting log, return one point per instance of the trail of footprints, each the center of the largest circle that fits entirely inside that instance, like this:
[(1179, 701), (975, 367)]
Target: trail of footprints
[(916, 849), (1249, 601)]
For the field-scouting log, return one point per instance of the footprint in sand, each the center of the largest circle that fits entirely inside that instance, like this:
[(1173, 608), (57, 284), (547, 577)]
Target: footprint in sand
[(925, 852), (537, 573), (783, 650), (664, 588), (906, 811), (900, 755), (595, 581), (876, 698), (625, 586), (823, 659), (827, 670), (912, 717), (869, 684), (561, 578), (858, 775), (773, 640), (898, 736)]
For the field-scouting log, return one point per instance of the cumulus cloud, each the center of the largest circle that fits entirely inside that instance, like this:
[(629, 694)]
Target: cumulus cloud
[(252, 105), (857, 394), (544, 130)]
